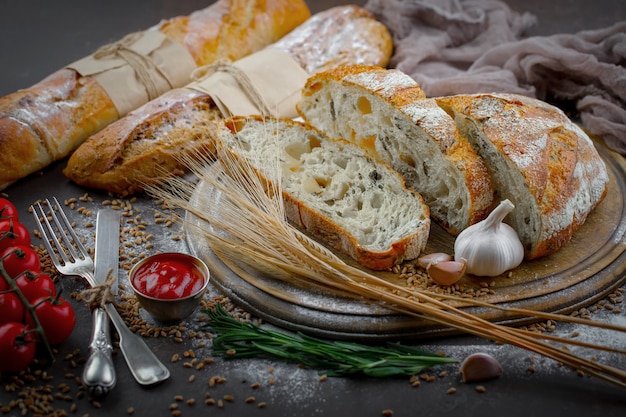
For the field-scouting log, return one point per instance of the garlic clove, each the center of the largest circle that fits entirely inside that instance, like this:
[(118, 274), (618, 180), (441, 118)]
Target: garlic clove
[(433, 258), (446, 272), (480, 367)]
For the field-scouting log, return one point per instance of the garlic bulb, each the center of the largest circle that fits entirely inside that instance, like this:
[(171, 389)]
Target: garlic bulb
[(490, 247)]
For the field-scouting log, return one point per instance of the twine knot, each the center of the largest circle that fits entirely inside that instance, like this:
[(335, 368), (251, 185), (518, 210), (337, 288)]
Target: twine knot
[(99, 295)]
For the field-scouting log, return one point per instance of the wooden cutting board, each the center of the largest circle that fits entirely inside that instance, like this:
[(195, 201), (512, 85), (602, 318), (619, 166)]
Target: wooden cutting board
[(591, 266)]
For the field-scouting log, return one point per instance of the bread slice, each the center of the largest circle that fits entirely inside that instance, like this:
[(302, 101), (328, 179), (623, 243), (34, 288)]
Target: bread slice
[(333, 190), (539, 159), (388, 115)]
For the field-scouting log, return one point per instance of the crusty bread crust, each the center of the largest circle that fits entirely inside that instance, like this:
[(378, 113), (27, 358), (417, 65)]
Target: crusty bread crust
[(146, 145), (44, 123), (386, 113), (230, 29), (130, 152), (342, 35), (539, 159), (47, 121), (402, 218)]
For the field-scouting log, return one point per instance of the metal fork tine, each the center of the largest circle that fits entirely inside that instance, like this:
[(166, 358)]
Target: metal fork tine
[(61, 232), (68, 227), (50, 236)]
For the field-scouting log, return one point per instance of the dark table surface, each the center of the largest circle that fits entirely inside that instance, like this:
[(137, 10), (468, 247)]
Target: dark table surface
[(38, 37)]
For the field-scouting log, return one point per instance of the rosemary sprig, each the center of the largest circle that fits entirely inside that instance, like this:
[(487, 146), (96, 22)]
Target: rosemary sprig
[(238, 339)]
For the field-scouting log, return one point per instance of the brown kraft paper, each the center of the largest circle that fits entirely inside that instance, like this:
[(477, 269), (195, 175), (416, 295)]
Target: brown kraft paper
[(138, 68), (268, 82)]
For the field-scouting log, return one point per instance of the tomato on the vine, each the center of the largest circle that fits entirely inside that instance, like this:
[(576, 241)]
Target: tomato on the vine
[(36, 286), (17, 347), (7, 210), (13, 233), (18, 259), (56, 317), (11, 308)]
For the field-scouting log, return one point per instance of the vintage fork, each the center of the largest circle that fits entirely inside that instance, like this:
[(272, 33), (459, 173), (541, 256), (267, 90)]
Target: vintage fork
[(70, 257)]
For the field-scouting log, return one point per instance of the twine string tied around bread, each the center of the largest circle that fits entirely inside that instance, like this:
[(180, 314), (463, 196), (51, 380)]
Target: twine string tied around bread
[(239, 75), (99, 295), (146, 70)]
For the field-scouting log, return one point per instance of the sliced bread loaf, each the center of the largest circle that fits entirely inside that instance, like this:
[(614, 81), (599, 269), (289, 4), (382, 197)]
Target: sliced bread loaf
[(539, 159), (387, 114), (333, 190)]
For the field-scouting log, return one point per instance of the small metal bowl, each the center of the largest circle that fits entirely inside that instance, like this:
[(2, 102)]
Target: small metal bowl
[(170, 309)]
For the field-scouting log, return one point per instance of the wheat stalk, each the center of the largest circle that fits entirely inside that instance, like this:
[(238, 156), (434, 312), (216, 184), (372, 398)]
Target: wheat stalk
[(249, 225)]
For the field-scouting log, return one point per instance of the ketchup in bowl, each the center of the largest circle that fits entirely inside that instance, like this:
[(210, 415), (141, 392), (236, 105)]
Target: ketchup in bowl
[(169, 285), (168, 276)]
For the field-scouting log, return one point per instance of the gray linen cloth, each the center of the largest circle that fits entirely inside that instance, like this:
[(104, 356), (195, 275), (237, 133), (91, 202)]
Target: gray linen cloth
[(478, 46)]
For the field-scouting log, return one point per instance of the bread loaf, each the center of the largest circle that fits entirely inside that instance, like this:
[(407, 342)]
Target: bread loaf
[(539, 159), (333, 190), (134, 150), (386, 113), (45, 122)]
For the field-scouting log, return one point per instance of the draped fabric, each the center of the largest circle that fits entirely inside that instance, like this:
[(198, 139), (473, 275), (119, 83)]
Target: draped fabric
[(478, 46)]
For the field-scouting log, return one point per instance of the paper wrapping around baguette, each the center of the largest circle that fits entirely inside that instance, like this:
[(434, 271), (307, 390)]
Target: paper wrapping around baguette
[(138, 68), (247, 87), (47, 121), (539, 159), (332, 189), (128, 153), (386, 112)]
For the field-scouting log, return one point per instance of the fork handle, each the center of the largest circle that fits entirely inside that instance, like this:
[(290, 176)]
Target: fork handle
[(142, 362), (99, 373)]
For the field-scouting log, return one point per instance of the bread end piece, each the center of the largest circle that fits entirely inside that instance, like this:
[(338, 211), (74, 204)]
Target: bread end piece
[(539, 159)]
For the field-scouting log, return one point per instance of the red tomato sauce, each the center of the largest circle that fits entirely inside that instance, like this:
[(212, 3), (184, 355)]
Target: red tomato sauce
[(168, 276)]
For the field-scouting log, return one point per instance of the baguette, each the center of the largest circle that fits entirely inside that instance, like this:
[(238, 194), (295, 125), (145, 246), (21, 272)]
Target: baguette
[(387, 113), (539, 159), (45, 122), (147, 143), (333, 190)]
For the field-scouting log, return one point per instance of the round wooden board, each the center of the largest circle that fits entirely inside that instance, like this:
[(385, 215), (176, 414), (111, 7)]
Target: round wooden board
[(592, 265)]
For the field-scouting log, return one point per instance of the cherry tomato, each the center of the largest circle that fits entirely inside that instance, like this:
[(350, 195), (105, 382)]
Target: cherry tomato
[(35, 286), (7, 210), (168, 276), (11, 308), (13, 233), (56, 317), (17, 347), (18, 259)]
